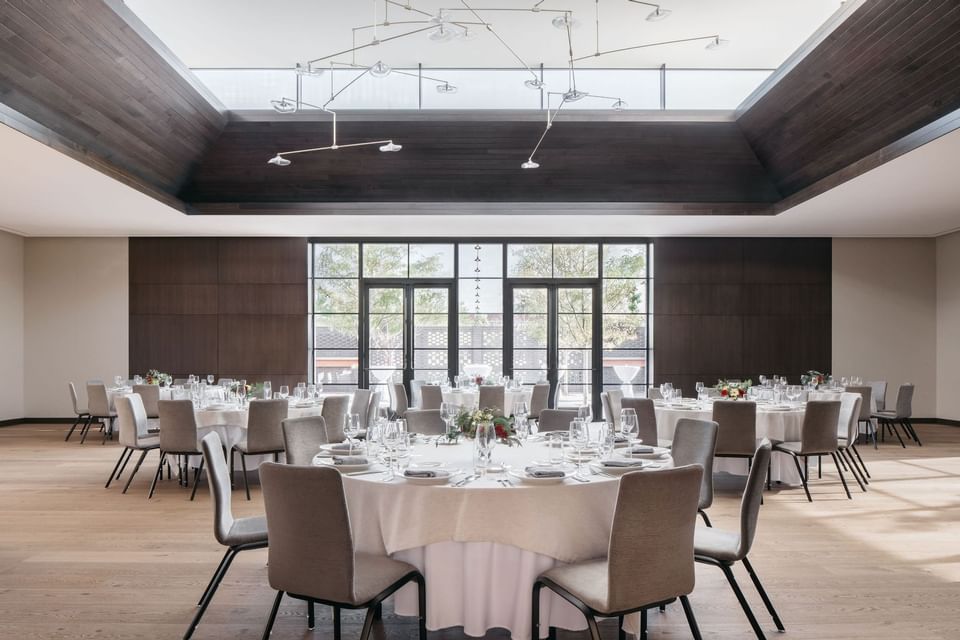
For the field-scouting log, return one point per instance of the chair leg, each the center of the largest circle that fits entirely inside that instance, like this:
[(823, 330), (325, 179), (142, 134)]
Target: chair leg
[(123, 454), (196, 481), (75, 423), (908, 426), (706, 520), (243, 468), (86, 429), (803, 478), (136, 468), (728, 572), (422, 607), (210, 591), (367, 625), (336, 623), (643, 624), (594, 629), (763, 595), (819, 467), (860, 460), (535, 611), (691, 620), (893, 426), (124, 465), (273, 616), (156, 476), (836, 463), (843, 461), (621, 634), (852, 466), (311, 616)]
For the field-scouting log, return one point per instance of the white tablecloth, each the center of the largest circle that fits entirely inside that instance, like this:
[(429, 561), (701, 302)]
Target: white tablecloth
[(481, 546), (470, 398)]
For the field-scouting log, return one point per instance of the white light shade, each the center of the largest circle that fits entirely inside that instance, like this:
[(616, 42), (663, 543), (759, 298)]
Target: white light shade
[(279, 160), (530, 164), (390, 147), (446, 87), (283, 106), (659, 14), (718, 43), (533, 83), (441, 35), (619, 105), (380, 70), (573, 95), (562, 21)]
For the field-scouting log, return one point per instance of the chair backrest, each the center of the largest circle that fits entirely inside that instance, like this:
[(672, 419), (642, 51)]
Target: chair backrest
[(866, 393), (737, 433), (361, 405), (311, 543), (218, 475), (879, 388), (98, 404), (334, 408), (398, 398), (612, 403), (492, 397), (646, 419), (820, 421), (178, 427), (74, 399), (263, 425), (430, 396), (150, 395), (695, 442), (415, 387), (426, 421), (556, 419), (847, 425), (302, 438), (131, 418), (654, 393), (652, 535), (539, 398), (905, 401), (373, 409), (752, 497)]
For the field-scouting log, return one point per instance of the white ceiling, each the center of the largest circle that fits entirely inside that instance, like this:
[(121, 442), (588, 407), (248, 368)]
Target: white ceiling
[(46, 193), (256, 33)]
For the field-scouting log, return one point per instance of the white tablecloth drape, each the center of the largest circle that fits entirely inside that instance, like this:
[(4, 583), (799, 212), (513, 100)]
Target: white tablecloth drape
[(470, 398)]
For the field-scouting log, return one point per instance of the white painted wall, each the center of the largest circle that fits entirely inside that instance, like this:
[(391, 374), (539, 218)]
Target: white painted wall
[(11, 326), (948, 326), (885, 314), (76, 318)]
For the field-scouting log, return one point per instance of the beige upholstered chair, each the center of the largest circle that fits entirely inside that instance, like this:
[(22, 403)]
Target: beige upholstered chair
[(430, 396), (847, 431), (83, 416), (865, 417), (611, 401), (178, 437), (695, 442), (725, 548), (361, 405), (646, 420), (651, 536), (737, 430), (556, 419), (312, 554), (818, 438), (302, 438), (150, 394), (98, 404), (333, 411), (398, 398), (888, 420), (132, 419), (492, 397), (425, 421), (235, 534), (539, 399), (879, 389), (264, 434)]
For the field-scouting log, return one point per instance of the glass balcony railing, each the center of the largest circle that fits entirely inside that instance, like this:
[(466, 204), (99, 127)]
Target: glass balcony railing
[(416, 88)]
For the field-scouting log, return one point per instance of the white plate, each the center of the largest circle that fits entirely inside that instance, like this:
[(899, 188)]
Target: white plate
[(321, 461), (776, 408), (443, 477), (523, 477), (615, 471), (659, 453), (327, 452)]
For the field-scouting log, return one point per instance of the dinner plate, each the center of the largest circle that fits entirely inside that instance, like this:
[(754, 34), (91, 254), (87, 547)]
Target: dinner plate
[(616, 471), (659, 453), (523, 477), (326, 451), (443, 477), (777, 408), (321, 461)]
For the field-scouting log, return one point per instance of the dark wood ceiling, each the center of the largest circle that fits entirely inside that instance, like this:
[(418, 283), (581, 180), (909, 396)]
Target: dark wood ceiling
[(86, 77)]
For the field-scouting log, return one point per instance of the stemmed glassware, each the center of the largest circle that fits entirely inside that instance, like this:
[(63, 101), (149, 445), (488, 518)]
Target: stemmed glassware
[(486, 439), (448, 412), (267, 390), (607, 441), (210, 379), (520, 413), (284, 391), (391, 438), (351, 427), (794, 392), (579, 439), (629, 424)]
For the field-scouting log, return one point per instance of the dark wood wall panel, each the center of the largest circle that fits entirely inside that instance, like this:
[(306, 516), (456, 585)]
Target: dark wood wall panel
[(233, 307), (738, 308)]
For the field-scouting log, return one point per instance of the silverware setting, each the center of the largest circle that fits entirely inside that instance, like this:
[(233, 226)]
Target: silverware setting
[(466, 480), (363, 473)]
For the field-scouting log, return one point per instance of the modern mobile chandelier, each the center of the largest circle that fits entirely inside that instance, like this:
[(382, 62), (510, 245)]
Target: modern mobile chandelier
[(446, 25)]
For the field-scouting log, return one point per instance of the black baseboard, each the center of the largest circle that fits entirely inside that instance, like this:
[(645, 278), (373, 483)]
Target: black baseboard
[(944, 421), (16, 421)]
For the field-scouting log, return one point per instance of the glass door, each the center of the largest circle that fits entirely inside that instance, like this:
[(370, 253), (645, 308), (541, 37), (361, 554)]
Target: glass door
[(553, 339), (407, 334)]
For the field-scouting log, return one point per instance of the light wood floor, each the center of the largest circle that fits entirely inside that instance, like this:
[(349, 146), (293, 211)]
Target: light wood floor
[(79, 561)]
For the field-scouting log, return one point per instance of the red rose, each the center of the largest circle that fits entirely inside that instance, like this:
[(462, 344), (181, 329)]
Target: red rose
[(723, 392), (501, 432)]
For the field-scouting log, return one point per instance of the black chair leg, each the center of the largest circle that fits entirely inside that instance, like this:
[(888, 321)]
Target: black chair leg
[(75, 424), (196, 481), (86, 429), (908, 426), (847, 457), (621, 634), (706, 520), (156, 476), (819, 467), (136, 468), (836, 463), (691, 620), (535, 612), (594, 629), (273, 616), (210, 591), (113, 473), (336, 623), (311, 616), (893, 427), (124, 465), (367, 625), (860, 460), (803, 478), (728, 572), (763, 595), (421, 607), (243, 468), (643, 624)]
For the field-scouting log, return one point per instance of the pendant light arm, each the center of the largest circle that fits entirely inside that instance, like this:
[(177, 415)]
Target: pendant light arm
[(372, 44), (502, 41), (546, 129), (645, 46)]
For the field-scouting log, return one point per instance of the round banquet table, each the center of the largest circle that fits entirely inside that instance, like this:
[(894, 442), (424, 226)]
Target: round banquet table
[(777, 425), (482, 546), (470, 398)]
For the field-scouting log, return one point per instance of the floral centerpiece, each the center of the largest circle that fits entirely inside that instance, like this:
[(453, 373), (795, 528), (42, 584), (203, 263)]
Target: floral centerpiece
[(815, 378), (466, 422), (155, 377), (733, 389)]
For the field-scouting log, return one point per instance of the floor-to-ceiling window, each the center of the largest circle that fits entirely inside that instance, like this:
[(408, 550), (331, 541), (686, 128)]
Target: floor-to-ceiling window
[(574, 314)]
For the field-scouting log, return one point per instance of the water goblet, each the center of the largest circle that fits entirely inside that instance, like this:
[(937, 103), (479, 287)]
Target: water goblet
[(210, 379), (579, 439), (267, 389), (284, 391), (629, 423), (351, 427)]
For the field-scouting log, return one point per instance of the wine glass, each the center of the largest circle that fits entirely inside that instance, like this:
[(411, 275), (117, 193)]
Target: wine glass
[(486, 439), (390, 439), (351, 427), (763, 380), (210, 379), (267, 390), (579, 438), (700, 387), (448, 412), (284, 391), (607, 441), (629, 423), (520, 413)]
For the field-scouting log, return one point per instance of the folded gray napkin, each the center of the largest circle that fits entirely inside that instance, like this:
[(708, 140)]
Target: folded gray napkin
[(641, 449), (345, 447), (420, 473), (544, 472), (622, 463), (349, 460), (620, 438)]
